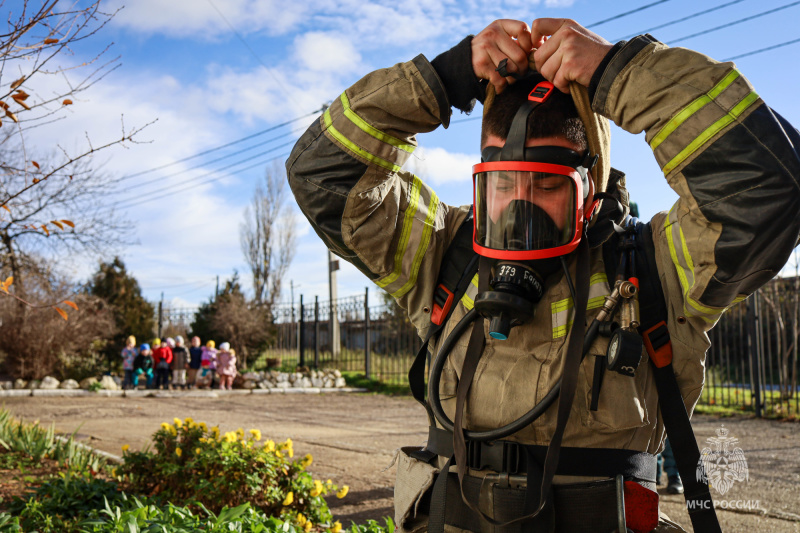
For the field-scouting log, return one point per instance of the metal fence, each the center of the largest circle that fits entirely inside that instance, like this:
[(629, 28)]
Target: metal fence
[(347, 334)]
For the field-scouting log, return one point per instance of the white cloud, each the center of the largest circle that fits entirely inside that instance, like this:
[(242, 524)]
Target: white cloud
[(439, 166), (326, 52)]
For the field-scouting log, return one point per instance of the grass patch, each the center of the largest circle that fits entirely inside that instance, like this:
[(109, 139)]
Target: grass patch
[(358, 379)]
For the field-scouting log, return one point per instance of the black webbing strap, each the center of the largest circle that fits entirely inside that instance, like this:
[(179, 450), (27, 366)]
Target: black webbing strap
[(514, 458), (653, 317)]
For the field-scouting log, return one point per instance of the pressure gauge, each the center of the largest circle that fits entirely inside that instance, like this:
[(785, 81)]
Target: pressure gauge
[(624, 352)]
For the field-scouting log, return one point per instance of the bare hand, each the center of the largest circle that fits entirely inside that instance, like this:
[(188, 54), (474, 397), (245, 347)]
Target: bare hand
[(566, 51), (502, 39)]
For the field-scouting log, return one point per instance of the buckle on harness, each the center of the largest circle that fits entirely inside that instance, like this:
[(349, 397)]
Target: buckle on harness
[(442, 302)]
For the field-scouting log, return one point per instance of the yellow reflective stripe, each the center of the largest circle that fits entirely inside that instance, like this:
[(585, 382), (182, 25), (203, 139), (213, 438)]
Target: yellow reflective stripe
[(467, 300), (354, 147), (408, 220), (561, 305), (692, 108), (370, 130), (422, 248), (598, 290), (595, 302), (709, 132), (600, 277), (560, 331), (673, 253)]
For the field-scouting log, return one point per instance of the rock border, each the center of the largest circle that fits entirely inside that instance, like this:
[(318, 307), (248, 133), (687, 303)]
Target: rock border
[(204, 393)]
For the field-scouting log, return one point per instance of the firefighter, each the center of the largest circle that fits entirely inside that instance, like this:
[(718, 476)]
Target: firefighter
[(519, 348)]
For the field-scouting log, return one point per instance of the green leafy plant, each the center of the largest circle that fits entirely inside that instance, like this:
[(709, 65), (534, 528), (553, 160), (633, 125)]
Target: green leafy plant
[(194, 463)]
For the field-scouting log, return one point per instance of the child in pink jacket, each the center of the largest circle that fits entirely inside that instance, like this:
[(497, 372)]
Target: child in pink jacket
[(226, 366)]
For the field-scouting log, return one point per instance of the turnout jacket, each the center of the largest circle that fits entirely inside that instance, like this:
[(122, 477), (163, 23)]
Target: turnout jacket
[(732, 161)]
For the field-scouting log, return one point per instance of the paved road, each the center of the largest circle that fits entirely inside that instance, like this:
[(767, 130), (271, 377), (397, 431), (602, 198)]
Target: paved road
[(353, 437)]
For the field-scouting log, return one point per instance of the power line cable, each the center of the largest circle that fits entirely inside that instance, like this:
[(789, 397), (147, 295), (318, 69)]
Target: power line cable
[(754, 52), (149, 194), (253, 53), (625, 14), (217, 148), (171, 193), (201, 165), (683, 19), (735, 22)]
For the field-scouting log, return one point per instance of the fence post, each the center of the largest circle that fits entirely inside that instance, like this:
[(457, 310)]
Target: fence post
[(755, 361), (316, 331), (302, 347), (367, 352)]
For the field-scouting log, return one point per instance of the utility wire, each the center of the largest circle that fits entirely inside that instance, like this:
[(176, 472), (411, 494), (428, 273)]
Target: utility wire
[(729, 24), (754, 52), (216, 148), (676, 21), (148, 194), (148, 199), (258, 58), (625, 14), (203, 164)]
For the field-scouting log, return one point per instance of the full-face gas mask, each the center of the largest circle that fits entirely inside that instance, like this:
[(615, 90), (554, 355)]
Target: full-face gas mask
[(529, 212)]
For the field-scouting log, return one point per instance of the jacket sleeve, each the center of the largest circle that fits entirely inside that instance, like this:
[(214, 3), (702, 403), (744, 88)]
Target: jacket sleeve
[(345, 173), (732, 160)]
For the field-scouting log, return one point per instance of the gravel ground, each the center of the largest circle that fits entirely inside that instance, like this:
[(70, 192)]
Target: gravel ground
[(353, 438)]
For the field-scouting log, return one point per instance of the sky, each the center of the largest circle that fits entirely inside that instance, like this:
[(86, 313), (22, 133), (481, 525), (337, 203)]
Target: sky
[(205, 74)]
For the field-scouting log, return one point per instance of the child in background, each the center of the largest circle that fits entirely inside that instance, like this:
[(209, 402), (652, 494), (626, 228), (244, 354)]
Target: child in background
[(162, 357), (180, 362), (128, 355), (226, 366), (143, 366), (195, 355), (208, 362)]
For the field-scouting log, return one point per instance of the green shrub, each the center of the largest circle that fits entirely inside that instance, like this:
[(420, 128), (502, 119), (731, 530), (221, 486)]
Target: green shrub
[(193, 463)]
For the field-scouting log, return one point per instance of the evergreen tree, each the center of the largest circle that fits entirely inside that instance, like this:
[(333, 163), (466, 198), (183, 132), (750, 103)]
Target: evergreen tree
[(133, 314)]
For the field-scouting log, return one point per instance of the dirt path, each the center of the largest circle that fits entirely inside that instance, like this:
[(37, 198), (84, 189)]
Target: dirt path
[(353, 437)]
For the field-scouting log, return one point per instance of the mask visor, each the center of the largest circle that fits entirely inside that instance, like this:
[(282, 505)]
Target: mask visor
[(526, 210)]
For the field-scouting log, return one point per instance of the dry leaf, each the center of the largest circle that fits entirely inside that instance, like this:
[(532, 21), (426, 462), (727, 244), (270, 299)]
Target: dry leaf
[(20, 95), (50, 40), (67, 102), (34, 163), (44, 227), (36, 180), (11, 115), (71, 304), (57, 223), (68, 223), (9, 280), (61, 312), (4, 206), (3, 105), (18, 83)]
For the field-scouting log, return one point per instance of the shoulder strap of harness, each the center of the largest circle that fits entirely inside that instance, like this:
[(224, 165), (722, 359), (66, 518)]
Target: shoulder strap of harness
[(653, 328), (459, 266)]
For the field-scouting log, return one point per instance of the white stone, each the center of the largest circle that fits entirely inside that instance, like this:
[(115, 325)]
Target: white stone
[(20, 384), (316, 382), (261, 391), (337, 373), (6, 385), (251, 376), (49, 383), (249, 384), (69, 384), (87, 382), (306, 382), (108, 383), (59, 392), (265, 385), (34, 384), (282, 378), (340, 382), (283, 385), (327, 383), (110, 393), (16, 392), (199, 393)]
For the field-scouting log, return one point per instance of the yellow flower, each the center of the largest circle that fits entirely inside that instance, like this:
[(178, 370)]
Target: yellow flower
[(191, 425), (230, 436), (269, 445), (188, 420), (288, 499), (164, 425), (256, 434), (125, 448), (342, 492), (328, 484), (278, 454), (178, 422), (317, 490), (114, 472), (337, 527), (308, 526), (173, 431), (215, 431), (178, 452), (307, 460), (240, 433), (203, 426), (197, 451), (301, 520)]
